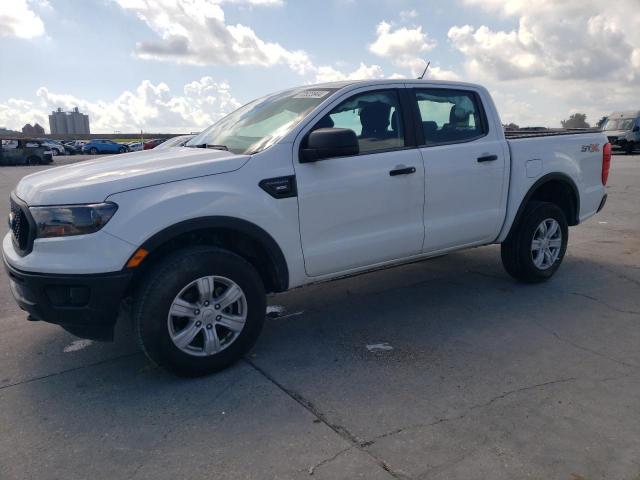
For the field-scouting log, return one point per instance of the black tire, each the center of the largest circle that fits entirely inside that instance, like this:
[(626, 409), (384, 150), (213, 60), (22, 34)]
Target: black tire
[(516, 252), (93, 151), (33, 160), (55, 152), (161, 286), (122, 150)]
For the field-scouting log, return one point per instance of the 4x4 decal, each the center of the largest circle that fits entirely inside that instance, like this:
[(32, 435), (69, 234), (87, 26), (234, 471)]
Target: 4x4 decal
[(594, 147)]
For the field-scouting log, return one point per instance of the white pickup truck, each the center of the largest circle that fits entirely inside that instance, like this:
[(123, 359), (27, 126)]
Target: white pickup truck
[(301, 186)]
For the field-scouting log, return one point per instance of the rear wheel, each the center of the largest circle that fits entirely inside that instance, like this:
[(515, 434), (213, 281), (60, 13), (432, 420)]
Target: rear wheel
[(33, 160), (199, 311), (93, 150), (536, 246)]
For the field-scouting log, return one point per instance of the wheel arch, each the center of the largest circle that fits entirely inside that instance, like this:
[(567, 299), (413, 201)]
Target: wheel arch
[(556, 188), (239, 236)]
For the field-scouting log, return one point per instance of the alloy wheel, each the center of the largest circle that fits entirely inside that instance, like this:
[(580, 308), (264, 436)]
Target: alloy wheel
[(546, 244), (207, 316)]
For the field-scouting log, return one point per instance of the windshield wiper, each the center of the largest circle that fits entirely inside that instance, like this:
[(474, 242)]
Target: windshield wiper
[(208, 145)]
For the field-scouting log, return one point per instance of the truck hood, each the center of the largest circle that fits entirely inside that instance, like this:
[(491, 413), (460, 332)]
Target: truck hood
[(93, 181)]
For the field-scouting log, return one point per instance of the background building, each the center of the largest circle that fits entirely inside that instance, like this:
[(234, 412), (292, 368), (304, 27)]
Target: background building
[(69, 122), (33, 130)]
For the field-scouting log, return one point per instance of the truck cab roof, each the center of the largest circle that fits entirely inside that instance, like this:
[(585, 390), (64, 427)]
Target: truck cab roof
[(391, 81)]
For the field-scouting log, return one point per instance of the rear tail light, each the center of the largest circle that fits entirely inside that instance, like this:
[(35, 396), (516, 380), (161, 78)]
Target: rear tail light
[(606, 162)]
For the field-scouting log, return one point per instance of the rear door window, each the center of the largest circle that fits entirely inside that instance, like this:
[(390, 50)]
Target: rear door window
[(450, 116)]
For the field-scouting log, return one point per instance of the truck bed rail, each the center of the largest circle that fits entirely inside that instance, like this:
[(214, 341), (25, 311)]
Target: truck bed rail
[(516, 134)]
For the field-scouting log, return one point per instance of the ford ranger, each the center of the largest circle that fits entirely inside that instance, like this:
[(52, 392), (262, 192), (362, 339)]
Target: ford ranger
[(301, 186)]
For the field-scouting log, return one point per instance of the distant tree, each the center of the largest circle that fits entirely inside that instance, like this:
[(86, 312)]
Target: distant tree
[(601, 122), (577, 120), (511, 126)]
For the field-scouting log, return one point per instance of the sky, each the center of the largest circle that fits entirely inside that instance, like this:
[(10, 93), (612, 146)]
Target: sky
[(179, 65)]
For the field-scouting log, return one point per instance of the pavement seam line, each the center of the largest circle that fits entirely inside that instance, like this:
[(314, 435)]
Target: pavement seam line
[(469, 410), (339, 430), (583, 348), (55, 374), (328, 460), (605, 304)]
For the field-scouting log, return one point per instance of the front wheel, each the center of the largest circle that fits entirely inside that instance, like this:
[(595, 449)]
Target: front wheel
[(199, 311), (93, 151), (54, 152), (535, 247)]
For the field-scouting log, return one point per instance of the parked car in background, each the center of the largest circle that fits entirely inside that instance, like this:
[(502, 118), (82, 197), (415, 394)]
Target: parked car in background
[(149, 144), (134, 146), (25, 152), (623, 130), (70, 148), (56, 147), (104, 146), (178, 141)]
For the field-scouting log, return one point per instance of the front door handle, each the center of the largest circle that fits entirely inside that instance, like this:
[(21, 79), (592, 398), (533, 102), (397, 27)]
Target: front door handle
[(402, 171), (487, 158)]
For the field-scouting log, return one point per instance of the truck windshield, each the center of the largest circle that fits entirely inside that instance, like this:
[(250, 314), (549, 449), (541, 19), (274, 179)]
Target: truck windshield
[(261, 123), (619, 124)]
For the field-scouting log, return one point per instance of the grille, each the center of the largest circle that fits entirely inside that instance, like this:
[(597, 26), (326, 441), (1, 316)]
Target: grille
[(19, 226)]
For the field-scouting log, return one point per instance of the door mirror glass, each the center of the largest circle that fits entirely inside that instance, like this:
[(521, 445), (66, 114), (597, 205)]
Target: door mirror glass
[(329, 142)]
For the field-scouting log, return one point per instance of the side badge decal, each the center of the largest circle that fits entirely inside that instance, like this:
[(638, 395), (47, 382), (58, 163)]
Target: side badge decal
[(280, 187)]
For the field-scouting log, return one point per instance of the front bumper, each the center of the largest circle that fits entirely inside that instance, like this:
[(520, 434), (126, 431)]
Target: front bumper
[(85, 305)]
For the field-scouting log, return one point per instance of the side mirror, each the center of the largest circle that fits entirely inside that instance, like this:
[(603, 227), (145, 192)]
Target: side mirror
[(636, 128), (329, 142)]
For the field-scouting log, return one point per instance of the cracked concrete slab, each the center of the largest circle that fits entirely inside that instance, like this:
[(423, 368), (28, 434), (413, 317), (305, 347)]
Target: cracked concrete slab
[(126, 420)]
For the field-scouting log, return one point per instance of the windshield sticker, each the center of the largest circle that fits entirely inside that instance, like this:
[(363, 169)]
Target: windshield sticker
[(312, 94)]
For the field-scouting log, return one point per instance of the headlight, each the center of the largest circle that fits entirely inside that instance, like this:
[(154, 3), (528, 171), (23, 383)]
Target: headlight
[(68, 220)]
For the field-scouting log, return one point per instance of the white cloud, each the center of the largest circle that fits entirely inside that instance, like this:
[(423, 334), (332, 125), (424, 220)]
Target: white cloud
[(150, 107), (17, 19), (572, 39), (579, 54), (438, 73), (405, 47), (195, 32), (408, 14), (400, 45), (329, 74)]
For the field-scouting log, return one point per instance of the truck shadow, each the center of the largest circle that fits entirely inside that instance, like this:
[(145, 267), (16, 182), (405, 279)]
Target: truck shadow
[(421, 311)]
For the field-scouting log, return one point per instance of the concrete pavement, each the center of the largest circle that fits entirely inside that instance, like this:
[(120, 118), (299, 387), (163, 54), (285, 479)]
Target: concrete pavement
[(445, 369)]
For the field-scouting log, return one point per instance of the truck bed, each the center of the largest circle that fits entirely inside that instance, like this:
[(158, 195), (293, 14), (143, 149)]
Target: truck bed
[(573, 154)]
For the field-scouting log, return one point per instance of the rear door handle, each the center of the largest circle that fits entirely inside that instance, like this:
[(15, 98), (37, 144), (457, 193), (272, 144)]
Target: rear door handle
[(487, 158), (402, 171)]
